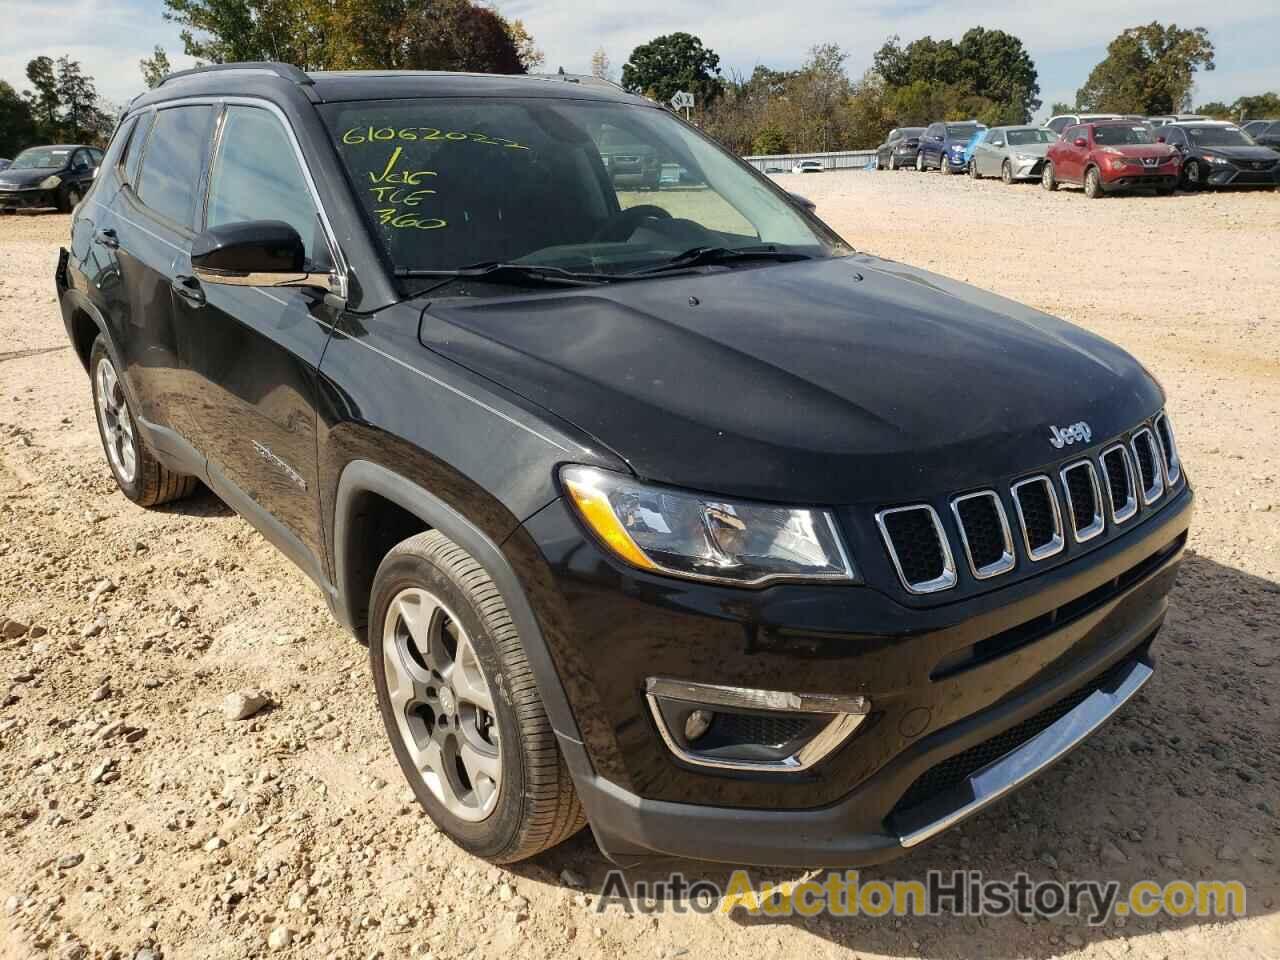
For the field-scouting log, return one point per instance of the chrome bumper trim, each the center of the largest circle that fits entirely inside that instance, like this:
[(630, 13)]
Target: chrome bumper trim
[(1044, 749)]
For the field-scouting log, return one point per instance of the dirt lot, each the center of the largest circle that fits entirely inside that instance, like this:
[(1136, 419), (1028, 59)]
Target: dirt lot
[(137, 822)]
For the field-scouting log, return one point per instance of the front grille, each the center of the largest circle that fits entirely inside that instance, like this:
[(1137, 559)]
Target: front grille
[(1151, 161), (1039, 517), (1084, 501), (1168, 449), (1150, 474), (957, 769), (1117, 468), (918, 548), (984, 530)]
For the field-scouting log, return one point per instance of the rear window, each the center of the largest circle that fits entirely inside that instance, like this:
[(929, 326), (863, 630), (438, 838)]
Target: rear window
[(174, 157)]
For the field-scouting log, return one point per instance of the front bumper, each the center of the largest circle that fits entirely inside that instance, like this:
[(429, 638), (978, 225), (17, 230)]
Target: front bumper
[(956, 163), (1163, 177), (32, 198), (1027, 169), (1084, 627), (1241, 176)]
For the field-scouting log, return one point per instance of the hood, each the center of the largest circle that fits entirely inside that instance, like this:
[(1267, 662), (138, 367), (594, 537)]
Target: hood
[(1030, 149), (826, 382), (30, 177), (1244, 153), (1139, 150)]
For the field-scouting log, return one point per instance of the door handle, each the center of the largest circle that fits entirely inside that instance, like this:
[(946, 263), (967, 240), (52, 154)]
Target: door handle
[(188, 288), (107, 238)]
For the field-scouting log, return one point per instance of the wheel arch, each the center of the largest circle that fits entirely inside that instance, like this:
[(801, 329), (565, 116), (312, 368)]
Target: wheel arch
[(85, 324)]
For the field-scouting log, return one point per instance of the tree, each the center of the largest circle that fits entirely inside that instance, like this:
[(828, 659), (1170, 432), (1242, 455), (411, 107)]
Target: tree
[(600, 65), (1148, 69), (1257, 107), (1059, 108), (527, 52), (17, 126), (43, 100), (78, 98), (155, 68), (1217, 110), (996, 66), (670, 63)]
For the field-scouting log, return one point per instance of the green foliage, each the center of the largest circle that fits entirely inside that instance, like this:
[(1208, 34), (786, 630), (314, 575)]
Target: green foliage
[(1217, 110), (1260, 107), (356, 34), (44, 97), (1148, 70), (17, 126), (1059, 108), (63, 104), (155, 68), (770, 140), (671, 63)]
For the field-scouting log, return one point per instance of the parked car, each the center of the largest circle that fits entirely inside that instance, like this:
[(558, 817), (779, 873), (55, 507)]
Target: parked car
[(1166, 119), (54, 176), (807, 166), (1063, 120), (899, 148), (1012, 153), (1269, 137), (1255, 127), (943, 144), (1218, 154), (633, 166), (682, 526), (1111, 156)]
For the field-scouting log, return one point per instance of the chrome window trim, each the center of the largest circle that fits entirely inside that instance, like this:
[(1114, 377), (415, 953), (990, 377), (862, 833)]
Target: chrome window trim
[(341, 268), (1170, 459), (1130, 507), (1156, 490), (849, 713), (1099, 521), (1007, 560), (947, 579), (1054, 546)]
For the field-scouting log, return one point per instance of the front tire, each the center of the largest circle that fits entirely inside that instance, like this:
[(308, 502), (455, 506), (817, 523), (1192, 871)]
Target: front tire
[(893, 162), (461, 707), (1006, 173), (70, 198), (1192, 176), (973, 169), (138, 474), (1093, 183), (920, 162), (1048, 179)]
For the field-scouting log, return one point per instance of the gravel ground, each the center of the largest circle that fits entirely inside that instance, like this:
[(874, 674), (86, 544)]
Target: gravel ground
[(137, 821)]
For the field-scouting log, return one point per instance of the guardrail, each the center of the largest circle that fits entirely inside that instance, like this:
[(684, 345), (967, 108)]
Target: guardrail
[(840, 160)]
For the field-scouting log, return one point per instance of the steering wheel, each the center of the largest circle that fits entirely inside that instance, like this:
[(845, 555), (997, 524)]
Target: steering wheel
[(624, 223)]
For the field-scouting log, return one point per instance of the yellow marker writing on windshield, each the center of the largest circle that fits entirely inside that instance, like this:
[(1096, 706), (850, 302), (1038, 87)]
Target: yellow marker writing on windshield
[(389, 174)]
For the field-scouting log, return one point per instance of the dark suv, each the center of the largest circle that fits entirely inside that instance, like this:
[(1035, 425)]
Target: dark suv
[(49, 177), (678, 518)]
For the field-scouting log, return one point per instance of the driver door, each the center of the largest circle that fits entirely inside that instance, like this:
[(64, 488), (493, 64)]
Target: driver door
[(989, 154)]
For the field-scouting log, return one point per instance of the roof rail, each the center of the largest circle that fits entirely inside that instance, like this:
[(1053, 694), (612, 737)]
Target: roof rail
[(285, 71), (583, 78)]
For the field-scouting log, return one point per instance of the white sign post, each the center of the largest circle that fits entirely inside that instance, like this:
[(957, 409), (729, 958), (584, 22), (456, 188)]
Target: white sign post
[(682, 101)]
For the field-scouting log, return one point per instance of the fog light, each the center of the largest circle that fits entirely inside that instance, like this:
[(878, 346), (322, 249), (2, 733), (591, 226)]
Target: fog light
[(698, 723)]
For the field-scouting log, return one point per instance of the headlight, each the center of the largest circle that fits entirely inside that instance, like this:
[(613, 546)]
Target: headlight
[(50, 183), (1219, 161), (706, 538), (1024, 157)]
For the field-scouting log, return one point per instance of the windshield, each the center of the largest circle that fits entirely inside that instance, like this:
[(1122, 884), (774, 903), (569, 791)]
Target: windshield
[(589, 187), (1022, 138), (1219, 137), (41, 158), (962, 131), (1117, 135)]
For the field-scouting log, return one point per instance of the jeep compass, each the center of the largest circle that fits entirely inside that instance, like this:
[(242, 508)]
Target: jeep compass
[(663, 511)]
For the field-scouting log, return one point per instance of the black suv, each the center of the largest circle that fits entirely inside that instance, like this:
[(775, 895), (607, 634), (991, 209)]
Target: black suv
[(56, 176), (668, 514)]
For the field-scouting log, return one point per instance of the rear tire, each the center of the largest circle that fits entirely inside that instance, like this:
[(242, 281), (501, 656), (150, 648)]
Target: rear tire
[(502, 791), (1093, 183), (1047, 178), (138, 474)]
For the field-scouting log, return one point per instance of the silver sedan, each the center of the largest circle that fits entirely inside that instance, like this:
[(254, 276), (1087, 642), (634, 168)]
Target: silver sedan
[(1011, 153)]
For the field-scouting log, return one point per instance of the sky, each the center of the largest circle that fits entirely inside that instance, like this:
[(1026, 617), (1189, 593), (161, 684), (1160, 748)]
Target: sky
[(109, 37)]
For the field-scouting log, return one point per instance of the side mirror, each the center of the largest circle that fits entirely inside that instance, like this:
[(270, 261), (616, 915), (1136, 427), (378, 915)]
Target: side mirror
[(804, 202), (936, 138), (1081, 142), (253, 253)]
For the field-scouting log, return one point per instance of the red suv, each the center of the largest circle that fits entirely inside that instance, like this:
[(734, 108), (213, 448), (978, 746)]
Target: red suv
[(1110, 156)]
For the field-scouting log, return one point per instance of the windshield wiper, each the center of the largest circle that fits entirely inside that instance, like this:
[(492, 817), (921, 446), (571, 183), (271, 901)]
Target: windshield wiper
[(705, 256), (507, 272)]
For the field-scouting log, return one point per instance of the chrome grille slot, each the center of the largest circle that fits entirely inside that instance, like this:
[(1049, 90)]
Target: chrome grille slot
[(1084, 500), (1122, 488), (918, 548), (1168, 450), (984, 531), (1150, 472), (1039, 517)]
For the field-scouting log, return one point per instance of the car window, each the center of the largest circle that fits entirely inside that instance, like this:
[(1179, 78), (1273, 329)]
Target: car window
[(173, 160), (1071, 134), (256, 176), (95, 156), (1173, 135), (80, 160), (1218, 137), (1058, 124), (1122, 134), (132, 155), (995, 140)]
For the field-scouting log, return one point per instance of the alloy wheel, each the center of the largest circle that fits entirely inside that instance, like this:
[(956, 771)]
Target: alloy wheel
[(442, 703), (117, 425), (1006, 172), (1193, 174)]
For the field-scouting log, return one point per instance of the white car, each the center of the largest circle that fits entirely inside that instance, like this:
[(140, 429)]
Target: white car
[(808, 166)]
